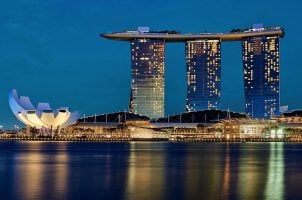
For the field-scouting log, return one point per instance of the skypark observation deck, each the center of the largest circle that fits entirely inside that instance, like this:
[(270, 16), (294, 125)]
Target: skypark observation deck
[(168, 37)]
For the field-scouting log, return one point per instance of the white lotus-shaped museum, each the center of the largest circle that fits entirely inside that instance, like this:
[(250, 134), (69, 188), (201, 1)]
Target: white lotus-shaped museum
[(42, 116)]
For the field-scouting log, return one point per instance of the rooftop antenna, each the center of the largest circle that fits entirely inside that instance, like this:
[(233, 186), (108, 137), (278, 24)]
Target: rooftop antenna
[(252, 109), (229, 114), (272, 112), (119, 118)]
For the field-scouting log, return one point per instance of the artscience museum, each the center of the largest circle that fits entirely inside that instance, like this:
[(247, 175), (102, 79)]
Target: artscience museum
[(43, 116)]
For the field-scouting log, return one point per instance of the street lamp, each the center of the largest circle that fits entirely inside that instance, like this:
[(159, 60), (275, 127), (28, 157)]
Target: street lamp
[(16, 127)]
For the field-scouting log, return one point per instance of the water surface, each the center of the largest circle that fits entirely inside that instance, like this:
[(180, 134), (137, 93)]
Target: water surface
[(146, 170)]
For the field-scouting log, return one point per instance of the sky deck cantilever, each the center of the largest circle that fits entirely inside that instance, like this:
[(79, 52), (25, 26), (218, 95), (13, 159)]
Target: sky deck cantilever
[(238, 36)]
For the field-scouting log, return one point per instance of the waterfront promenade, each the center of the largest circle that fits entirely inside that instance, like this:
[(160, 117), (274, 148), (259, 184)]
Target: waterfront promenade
[(128, 138)]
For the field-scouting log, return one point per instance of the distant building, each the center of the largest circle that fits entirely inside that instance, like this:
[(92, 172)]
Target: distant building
[(203, 62), (261, 76), (246, 128), (148, 77), (283, 109), (294, 117)]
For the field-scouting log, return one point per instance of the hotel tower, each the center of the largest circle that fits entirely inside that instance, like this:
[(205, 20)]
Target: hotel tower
[(203, 75), (261, 76), (148, 77)]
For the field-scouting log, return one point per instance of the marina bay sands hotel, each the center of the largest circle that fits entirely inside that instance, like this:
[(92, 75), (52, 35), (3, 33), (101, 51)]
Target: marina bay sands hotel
[(260, 57)]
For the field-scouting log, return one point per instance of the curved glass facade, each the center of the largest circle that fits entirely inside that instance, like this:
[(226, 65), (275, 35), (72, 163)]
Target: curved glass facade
[(148, 77)]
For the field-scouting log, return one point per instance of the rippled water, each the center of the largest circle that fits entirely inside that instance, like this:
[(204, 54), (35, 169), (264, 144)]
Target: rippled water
[(143, 170)]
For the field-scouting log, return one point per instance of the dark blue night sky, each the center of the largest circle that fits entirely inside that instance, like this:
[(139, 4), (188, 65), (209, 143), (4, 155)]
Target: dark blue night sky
[(51, 51)]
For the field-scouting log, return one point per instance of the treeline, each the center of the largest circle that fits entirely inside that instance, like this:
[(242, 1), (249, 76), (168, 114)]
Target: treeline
[(206, 116), (113, 117)]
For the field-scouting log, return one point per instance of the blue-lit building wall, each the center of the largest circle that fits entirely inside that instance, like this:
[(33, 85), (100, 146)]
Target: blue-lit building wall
[(148, 77), (203, 63), (261, 76)]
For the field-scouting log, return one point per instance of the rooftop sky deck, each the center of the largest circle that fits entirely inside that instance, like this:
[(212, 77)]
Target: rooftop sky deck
[(168, 37)]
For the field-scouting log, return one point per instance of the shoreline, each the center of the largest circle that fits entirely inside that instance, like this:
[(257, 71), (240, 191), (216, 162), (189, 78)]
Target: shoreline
[(178, 140)]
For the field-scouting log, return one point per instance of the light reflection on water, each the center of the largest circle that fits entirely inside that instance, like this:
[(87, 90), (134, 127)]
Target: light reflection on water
[(37, 173), (226, 176), (275, 176), (145, 174), (49, 170)]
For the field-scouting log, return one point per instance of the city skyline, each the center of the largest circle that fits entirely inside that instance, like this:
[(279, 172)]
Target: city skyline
[(63, 47), (161, 99)]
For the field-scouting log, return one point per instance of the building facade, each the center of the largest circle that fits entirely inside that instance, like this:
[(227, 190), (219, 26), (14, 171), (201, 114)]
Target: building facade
[(148, 77), (203, 63), (261, 76)]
